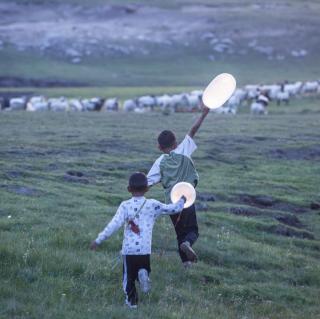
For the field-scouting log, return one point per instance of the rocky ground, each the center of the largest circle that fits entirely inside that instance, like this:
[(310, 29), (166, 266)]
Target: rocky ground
[(74, 32)]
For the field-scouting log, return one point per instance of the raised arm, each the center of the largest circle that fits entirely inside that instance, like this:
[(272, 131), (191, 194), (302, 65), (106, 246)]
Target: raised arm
[(197, 124)]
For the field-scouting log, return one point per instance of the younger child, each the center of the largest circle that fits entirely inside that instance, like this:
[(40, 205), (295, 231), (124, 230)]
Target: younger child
[(138, 214), (175, 166)]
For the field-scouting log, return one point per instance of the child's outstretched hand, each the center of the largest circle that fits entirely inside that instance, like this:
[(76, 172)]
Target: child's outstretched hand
[(184, 198), (94, 246)]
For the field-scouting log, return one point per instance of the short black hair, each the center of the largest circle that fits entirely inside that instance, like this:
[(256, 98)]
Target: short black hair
[(166, 139), (138, 182)]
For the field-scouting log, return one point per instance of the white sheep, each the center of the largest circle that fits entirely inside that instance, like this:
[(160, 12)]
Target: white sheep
[(283, 96), (75, 105), (129, 105), (180, 102), (293, 88), (260, 106), (147, 101), (37, 103), (252, 91), (225, 110), (272, 90), (58, 104), (310, 87), (17, 104), (193, 102), (164, 101), (197, 92), (111, 104), (93, 104)]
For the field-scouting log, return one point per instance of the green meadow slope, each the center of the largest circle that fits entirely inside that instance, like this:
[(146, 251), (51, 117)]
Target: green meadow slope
[(64, 174), (157, 43)]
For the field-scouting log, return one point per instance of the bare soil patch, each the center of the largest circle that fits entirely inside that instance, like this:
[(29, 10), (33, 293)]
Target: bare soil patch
[(289, 232), (265, 201), (22, 190), (290, 220), (310, 153), (41, 83)]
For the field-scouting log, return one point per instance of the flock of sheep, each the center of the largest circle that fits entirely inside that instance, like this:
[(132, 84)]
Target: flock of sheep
[(257, 96)]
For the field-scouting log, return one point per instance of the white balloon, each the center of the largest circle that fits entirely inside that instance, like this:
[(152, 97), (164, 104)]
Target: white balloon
[(183, 189), (219, 90)]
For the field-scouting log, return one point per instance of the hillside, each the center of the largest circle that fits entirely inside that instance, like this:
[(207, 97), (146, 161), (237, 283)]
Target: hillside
[(163, 43)]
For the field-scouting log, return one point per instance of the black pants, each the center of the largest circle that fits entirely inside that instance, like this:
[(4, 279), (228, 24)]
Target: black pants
[(186, 227), (131, 266)]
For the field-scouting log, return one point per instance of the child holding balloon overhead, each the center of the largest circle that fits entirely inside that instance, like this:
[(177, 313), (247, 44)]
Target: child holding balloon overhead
[(175, 166)]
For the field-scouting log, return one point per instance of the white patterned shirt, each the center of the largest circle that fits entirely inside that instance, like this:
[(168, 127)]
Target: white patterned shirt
[(138, 244)]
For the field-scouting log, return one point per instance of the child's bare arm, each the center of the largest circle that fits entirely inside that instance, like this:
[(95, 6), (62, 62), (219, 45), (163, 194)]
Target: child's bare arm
[(197, 124)]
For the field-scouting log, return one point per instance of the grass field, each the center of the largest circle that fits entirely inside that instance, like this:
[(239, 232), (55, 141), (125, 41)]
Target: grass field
[(64, 174), (175, 69)]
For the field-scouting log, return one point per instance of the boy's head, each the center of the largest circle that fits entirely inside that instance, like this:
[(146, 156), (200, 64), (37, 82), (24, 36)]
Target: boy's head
[(138, 183), (167, 141)]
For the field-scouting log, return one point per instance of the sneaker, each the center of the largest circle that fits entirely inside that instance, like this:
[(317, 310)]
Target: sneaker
[(144, 280), (187, 249), (131, 304)]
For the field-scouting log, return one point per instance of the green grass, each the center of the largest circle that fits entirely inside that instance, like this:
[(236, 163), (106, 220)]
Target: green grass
[(121, 92), (173, 68), (47, 270)]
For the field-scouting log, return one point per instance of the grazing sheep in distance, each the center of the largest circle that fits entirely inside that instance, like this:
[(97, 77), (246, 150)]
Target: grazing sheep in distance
[(37, 103), (164, 102), (310, 87), (75, 105), (293, 88), (182, 102), (110, 105), (17, 104), (225, 110), (179, 102), (58, 104), (148, 101), (129, 105), (93, 104), (272, 90), (252, 91), (260, 105), (198, 93), (193, 103)]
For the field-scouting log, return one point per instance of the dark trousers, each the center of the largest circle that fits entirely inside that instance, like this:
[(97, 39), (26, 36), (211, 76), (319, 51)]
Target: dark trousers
[(131, 266), (186, 227)]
